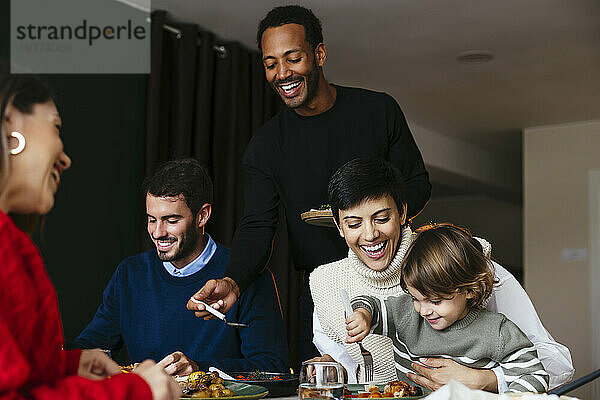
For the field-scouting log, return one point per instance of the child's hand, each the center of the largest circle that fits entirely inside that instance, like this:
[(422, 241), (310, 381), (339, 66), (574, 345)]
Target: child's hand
[(358, 325)]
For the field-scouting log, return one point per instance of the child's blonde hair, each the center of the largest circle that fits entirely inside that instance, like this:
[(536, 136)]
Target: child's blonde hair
[(444, 259)]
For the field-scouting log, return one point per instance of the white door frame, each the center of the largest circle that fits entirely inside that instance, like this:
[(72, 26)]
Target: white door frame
[(594, 260)]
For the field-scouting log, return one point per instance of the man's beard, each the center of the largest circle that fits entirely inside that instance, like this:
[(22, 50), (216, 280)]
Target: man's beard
[(312, 85), (186, 246)]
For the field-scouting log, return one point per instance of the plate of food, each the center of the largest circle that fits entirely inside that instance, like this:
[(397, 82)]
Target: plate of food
[(393, 390), (278, 384), (319, 217), (204, 385)]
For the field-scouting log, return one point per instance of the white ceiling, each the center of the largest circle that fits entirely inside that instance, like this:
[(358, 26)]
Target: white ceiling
[(546, 66)]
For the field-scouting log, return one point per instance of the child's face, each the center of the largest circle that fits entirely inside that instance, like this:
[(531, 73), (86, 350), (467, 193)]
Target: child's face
[(372, 230), (440, 312)]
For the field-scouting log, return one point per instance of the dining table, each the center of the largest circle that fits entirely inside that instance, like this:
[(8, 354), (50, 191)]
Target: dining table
[(454, 389)]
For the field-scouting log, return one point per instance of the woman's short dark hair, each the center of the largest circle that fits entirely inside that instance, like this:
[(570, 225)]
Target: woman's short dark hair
[(292, 15), (444, 259), (185, 177), (364, 179)]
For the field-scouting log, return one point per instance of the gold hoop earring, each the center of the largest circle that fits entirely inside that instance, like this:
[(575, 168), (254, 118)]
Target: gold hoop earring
[(20, 146)]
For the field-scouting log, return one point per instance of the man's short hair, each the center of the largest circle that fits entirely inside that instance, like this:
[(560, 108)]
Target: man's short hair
[(364, 179), (292, 15), (185, 177)]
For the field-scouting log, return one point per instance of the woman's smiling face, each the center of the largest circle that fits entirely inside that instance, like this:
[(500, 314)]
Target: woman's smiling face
[(372, 230), (35, 172)]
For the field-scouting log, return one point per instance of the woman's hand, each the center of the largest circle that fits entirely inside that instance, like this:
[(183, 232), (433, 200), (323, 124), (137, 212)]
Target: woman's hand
[(358, 325), (96, 365), (178, 363), (163, 386), (439, 371)]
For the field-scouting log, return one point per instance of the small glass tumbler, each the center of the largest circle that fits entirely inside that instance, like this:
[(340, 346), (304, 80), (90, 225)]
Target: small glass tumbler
[(321, 380)]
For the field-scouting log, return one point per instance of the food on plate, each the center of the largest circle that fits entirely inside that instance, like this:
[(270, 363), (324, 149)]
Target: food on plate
[(398, 389), (370, 387), (257, 376), (392, 389), (202, 384), (128, 368)]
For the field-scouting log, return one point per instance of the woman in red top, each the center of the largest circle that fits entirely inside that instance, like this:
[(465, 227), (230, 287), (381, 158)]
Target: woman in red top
[(33, 362)]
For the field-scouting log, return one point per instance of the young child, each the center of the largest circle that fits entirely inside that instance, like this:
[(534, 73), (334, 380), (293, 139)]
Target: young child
[(449, 279)]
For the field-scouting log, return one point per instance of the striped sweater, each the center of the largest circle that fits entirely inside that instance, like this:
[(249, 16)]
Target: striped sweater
[(482, 339)]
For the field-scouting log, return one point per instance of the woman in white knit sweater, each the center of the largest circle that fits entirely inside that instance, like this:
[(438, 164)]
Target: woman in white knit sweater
[(367, 201)]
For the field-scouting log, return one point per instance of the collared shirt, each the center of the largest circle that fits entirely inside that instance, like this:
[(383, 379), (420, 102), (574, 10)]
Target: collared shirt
[(196, 265)]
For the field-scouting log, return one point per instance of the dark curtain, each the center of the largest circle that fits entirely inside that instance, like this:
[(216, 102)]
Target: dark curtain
[(206, 104)]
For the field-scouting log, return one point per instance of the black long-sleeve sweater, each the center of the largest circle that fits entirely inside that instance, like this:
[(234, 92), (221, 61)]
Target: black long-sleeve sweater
[(291, 159)]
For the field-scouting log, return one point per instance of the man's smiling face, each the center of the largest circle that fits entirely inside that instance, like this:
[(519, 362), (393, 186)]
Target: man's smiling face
[(290, 66), (173, 230)]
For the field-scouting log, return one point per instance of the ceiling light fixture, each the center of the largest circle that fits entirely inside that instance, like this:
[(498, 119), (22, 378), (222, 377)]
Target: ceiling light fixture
[(475, 57)]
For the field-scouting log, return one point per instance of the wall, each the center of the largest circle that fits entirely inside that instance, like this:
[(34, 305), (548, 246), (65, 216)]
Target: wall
[(496, 221), (468, 167), (556, 164)]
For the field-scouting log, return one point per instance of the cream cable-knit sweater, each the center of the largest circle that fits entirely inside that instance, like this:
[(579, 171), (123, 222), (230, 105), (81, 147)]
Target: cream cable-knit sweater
[(356, 278)]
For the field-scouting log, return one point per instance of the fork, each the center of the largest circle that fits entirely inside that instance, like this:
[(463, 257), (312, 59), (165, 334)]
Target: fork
[(218, 314), (368, 359), (366, 354)]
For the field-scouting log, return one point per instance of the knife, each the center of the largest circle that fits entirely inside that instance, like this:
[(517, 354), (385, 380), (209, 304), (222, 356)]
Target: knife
[(346, 302)]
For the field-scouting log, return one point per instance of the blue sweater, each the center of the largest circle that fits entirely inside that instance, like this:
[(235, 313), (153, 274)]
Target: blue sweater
[(144, 308)]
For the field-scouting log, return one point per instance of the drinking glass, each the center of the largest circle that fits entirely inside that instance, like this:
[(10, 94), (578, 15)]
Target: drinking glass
[(321, 380)]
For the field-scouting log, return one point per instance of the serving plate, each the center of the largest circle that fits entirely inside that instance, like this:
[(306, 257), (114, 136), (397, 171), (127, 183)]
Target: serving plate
[(318, 218), (285, 385), (243, 391), (357, 388)]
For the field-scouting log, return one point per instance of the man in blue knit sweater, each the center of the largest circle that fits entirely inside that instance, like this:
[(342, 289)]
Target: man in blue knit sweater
[(144, 304)]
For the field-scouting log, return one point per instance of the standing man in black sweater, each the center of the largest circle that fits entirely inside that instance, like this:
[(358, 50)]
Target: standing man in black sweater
[(292, 157)]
